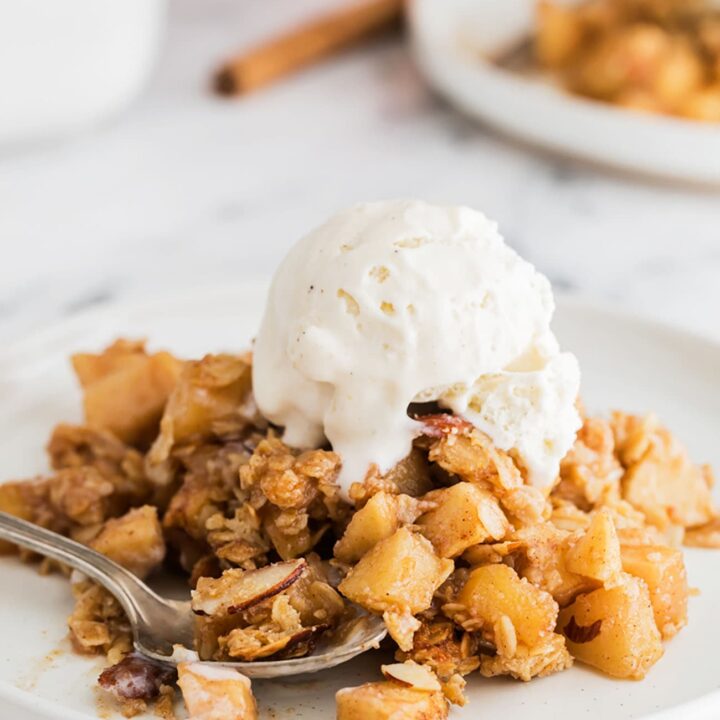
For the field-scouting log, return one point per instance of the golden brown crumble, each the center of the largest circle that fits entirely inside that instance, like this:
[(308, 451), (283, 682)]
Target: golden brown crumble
[(547, 658), (704, 536), (98, 623), (473, 570)]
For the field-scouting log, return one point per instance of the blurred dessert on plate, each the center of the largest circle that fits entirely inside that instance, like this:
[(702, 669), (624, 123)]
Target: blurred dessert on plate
[(660, 56)]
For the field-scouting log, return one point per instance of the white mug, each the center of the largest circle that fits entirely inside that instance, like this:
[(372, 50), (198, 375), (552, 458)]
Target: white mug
[(67, 64)]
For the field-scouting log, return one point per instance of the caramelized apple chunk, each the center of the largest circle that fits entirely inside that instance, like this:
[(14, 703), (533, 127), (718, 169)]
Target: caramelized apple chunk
[(397, 577), (411, 476), (134, 540), (125, 389), (613, 629), (660, 479), (494, 591), (375, 521), (464, 515), (389, 700), (596, 554), (706, 535), (538, 553), (663, 570), (400, 571), (212, 397), (216, 693), (471, 456)]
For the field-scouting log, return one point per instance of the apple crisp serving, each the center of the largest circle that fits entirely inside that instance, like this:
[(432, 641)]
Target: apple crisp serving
[(660, 56), (473, 569)]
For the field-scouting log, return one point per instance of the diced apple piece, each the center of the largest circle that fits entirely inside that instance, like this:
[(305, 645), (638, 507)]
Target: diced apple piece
[(134, 540), (411, 476), (389, 700), (669, 489), (663, 569), (465, 515), (412, 675), (216, 693), (647, 535), (706, 535), (290, 546), (125, 390), (374, 522), (538, 554), (613, 629), (492, 591), (474, 458), (488, 553), (596, 554), (400, 573), (91, 367), (238, 590), (212, 389)]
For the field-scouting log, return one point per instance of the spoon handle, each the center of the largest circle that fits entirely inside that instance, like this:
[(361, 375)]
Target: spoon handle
[(134, 596)]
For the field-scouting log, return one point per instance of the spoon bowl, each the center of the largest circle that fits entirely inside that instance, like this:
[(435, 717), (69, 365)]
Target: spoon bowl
[(159, 624)]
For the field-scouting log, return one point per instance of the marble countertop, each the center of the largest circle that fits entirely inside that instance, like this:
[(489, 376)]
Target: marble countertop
[(187, 189)]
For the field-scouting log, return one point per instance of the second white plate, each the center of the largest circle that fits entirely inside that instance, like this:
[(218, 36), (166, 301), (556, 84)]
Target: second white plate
[(453, 38)]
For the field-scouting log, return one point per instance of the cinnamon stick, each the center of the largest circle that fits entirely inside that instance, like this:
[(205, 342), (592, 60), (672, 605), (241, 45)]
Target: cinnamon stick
[(307, 44)]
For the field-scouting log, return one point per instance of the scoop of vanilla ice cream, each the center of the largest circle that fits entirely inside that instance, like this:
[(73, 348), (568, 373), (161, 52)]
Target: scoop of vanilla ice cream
[(394, 302)]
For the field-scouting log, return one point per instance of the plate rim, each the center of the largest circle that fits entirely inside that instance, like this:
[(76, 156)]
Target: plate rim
[(443, 65)]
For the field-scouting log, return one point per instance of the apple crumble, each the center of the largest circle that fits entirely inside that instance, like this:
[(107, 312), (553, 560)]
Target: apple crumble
[(660, 56), (474, 570)]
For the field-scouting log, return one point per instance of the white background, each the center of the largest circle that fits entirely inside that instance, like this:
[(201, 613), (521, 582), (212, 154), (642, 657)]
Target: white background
[(187, 189)]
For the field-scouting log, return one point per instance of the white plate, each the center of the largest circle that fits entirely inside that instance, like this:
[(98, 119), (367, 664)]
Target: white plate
[(451, 39), (627, 363)]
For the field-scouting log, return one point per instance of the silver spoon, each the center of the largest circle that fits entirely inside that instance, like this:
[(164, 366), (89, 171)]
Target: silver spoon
[(158, 623)]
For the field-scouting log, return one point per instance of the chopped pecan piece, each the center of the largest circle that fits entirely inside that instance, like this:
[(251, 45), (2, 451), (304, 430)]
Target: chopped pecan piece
[(136, 678)]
